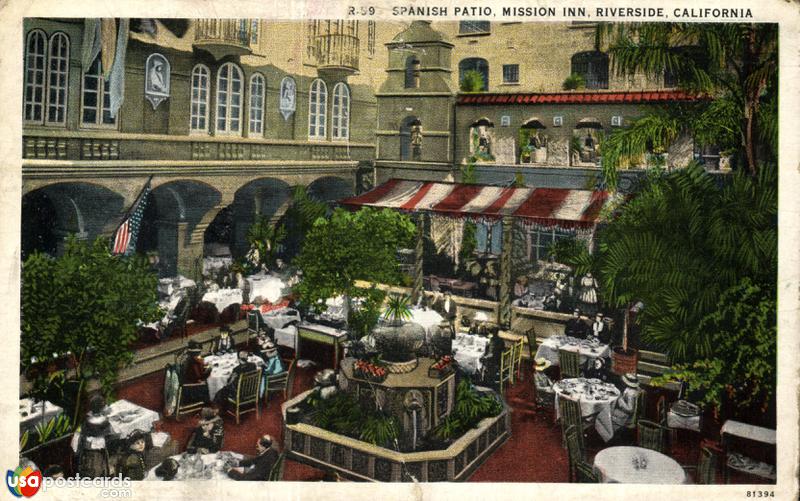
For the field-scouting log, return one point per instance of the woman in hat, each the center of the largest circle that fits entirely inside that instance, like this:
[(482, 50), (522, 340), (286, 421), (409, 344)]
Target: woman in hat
[(95, 432), (224, 343), (194, 371), (623, 412), (543, 383), (167, 469), (272, 362), (132, 465), (208, 436)]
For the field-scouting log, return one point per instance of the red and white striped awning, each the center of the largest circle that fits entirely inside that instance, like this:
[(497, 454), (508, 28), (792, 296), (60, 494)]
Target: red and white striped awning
[(544, 206)]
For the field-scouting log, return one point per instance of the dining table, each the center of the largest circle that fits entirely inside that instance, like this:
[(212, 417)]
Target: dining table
[(637, 465), (166, 286), (588, 349), (213, 466), (221, 369), (222, 298), (126, 417), (265, 287), (595, 397), (468, 350), (32, 412)]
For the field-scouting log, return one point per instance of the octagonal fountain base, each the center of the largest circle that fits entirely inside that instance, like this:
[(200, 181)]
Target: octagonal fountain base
[(357, 460)]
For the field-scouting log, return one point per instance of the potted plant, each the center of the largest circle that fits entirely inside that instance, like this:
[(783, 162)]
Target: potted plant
[(574, 82), (625, 358), (397, 339)]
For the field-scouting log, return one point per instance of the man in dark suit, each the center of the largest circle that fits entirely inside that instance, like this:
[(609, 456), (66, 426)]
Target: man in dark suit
[(575, 326), (259, 467), (229, 390), (224, 343)]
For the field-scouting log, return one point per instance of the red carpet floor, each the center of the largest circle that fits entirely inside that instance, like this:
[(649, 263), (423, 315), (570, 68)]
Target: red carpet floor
[(532, 454)]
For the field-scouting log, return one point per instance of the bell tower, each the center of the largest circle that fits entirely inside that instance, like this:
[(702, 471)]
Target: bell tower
[(415, 107)]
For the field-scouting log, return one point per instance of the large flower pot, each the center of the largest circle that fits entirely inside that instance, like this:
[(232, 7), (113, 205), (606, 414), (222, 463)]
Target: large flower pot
[(398, 344), (624, 362)]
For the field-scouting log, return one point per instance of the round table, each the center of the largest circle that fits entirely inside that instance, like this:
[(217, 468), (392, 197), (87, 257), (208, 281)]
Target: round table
[(618, 465), (593, 395), (468, 350), (209, 466), (588, 349), (221, 369)]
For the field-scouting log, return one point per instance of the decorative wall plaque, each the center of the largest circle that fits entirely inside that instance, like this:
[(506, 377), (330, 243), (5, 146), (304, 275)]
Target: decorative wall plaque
[(156, 79), (288, 103)]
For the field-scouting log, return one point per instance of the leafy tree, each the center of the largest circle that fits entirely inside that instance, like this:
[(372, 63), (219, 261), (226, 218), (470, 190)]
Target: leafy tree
[(680, 244), (352, 246), (736, 65), (574, 82), (265, 237), (469, 237), (472, 81), (299, 219), (741, 366), (88, 303)]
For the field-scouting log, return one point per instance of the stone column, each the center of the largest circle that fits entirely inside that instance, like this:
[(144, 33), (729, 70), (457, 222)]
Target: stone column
[(417, 291), (504, 311), (190, 253)]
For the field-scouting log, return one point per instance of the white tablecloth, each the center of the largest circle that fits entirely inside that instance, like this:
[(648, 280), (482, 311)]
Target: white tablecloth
[(748, 431), (30, 413), (223, 369), (616, 465), (212, 466), (594, 396), (265, 287), (278, 318), (426, 318), (125, 417), (166, 286), (685, 422), (468, 350), (287, 337), (215, 264), (587, 348), (223, 298), (529, 301)]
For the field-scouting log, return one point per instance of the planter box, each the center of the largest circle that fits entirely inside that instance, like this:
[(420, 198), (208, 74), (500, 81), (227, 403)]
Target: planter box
[(440, 373)]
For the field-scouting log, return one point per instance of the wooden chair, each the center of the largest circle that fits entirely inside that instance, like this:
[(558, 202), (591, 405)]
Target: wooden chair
[(280, 382), (570, 415), (517, 348), (253, 323), (706, 469), (533, 345), (662, 413), (506, 369), (276, 473), (573, 437), (651, 435), (183, 406), (585, 473), (570, 364), (247, 394)]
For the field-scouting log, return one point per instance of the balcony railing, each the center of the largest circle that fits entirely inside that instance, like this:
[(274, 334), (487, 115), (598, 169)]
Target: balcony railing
[(223, 37), (337, 51)]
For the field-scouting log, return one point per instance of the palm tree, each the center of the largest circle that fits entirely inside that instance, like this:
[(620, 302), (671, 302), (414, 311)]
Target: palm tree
[(735, 65), (680, 244)]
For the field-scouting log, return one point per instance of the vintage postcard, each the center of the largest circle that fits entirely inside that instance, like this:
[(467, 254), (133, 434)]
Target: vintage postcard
[(400, 249)]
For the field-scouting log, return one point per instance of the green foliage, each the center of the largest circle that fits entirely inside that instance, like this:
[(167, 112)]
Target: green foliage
[(741, 366), (574, 82), (365, 317), (87, 302), (344, 414), (398, 309), (472, 81), (379, 429), (575, 254), (23, 440), (680, 244), (352, 246), (51, 429), (519, 180), (470, 409), (300, 218), (265, 237), (735, 64)]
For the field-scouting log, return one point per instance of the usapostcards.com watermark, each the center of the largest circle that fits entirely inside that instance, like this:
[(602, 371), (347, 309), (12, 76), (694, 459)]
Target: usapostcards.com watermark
[(112, 488)]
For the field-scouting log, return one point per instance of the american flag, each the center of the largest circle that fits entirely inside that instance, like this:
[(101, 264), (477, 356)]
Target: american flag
[(125, 236)]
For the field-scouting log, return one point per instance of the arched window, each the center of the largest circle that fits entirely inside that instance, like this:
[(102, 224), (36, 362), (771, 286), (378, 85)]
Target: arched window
[(341, 111), (411, 139), (256, 104), (57, 79), (96, 105), (199, 108), (317, 109), (476, 64), (229, 99), (593, 67), (35, 56), (412, 72)]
